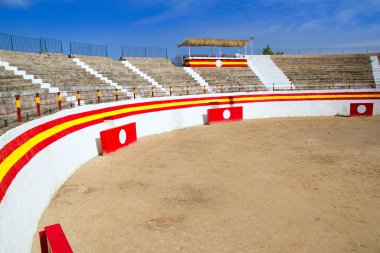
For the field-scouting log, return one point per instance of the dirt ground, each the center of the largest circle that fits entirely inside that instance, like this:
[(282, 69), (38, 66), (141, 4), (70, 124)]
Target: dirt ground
[(272, 185)]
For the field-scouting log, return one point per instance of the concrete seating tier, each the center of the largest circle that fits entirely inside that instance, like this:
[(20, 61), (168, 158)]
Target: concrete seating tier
[(230, 77), (12, 84), (327, 71), (163, 71), (56, 69), (114, 70)]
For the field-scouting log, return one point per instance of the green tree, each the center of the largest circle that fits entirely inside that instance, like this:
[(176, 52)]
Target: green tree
[(268, 51)]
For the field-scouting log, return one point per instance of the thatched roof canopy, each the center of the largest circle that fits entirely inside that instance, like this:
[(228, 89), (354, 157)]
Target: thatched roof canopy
[(193, 42)]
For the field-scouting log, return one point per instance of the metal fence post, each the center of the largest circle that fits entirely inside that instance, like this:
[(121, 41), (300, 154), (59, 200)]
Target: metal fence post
[(40, 45), (11, 42)]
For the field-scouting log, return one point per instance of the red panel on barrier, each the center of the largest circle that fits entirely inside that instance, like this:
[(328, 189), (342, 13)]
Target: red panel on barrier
[(118, 137), (361, 109), (225, 114), (54, 238), (43, 242)]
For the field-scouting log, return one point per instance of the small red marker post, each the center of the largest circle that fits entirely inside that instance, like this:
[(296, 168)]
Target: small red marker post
[(38, 105), (59, 101), (18, 107), (78, 97)]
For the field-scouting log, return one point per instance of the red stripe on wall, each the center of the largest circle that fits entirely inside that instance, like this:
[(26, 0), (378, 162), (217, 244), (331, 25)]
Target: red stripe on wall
[(21, 139), (214, 60), (15, 169)]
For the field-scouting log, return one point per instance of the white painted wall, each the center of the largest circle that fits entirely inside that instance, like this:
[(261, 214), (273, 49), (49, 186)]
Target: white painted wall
[(36, 183)]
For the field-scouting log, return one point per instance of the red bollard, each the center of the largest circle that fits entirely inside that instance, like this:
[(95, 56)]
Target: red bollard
[(78, 97), (98, 96), (117, 95), (59, 101), (38, 101), (18, 106)]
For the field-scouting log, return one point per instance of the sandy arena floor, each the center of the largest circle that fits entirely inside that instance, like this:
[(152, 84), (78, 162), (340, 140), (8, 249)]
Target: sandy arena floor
[(273, 185)]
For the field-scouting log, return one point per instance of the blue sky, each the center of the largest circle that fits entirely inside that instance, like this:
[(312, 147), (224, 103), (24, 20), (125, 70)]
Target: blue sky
[(165, 23)]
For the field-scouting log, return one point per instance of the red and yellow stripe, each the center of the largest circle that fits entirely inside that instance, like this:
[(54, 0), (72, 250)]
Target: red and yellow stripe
[(18, 152), (212, 63)]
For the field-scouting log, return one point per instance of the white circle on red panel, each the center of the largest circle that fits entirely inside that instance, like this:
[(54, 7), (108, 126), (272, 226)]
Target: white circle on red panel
[(122, 136), (362, 109), (218, 63), (226, 114)]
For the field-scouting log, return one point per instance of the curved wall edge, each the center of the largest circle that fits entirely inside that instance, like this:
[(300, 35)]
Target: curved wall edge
[(43, 153)]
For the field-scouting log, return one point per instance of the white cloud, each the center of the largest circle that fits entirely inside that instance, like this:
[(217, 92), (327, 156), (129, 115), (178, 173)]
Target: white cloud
[(14, 3), (25, 3)]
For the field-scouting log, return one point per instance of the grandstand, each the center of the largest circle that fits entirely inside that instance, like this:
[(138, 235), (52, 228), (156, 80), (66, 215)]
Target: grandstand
[(327, 71), (43, 82), (97, 77)]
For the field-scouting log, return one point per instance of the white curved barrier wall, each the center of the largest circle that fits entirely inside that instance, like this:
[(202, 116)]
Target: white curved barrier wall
[(45, 152)]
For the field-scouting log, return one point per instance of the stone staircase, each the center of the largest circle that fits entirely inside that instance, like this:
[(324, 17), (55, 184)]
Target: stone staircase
[(57, 70), (327, 71), (11, 84), (146, 77), (375, 70), (268, 72), (163, 71), (113, 72), (196, 76)]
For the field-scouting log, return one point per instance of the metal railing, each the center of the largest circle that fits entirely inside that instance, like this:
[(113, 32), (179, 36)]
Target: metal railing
[(27, 44), (152, 52), (13, 113), (88, 49)]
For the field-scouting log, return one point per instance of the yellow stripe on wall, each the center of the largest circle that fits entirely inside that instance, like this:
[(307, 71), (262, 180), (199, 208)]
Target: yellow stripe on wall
[(18, 153)]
